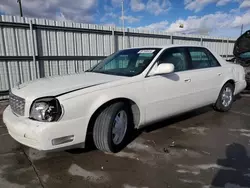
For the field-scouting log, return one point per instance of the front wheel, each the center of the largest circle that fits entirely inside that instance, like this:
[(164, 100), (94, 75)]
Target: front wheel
[(112, 127), (225, 99)]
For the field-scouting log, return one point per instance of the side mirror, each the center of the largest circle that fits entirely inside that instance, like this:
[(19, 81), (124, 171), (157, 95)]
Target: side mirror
[(164, 68)]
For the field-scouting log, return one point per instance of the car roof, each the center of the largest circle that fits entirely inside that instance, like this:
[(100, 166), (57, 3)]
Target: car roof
[(166, 46)]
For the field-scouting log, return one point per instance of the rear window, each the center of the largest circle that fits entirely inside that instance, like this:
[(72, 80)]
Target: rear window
[(202, 58)]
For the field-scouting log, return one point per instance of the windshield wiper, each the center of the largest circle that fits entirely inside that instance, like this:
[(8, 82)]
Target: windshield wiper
[(101, 72), (111, 73)]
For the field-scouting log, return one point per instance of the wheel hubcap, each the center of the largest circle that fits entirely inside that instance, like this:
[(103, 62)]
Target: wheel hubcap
[(227, 96), (119, 127)]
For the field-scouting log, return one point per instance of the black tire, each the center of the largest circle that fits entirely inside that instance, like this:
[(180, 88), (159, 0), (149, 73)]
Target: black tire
[(218, 106), (102, 132)]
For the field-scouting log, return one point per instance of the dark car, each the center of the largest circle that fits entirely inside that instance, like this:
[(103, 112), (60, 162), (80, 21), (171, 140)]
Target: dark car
[(242, 53)]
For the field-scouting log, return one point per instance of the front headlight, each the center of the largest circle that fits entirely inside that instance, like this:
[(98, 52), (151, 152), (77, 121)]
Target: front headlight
[(46, 110)]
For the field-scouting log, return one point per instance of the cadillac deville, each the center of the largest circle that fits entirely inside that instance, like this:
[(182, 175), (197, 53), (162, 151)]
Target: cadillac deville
[(128, 90)]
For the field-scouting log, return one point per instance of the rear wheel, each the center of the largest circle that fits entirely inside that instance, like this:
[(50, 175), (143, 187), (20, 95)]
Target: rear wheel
[(112, 127), (225, 99)]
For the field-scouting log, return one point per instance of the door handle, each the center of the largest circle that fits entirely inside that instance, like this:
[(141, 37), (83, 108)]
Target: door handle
[(187, 80)]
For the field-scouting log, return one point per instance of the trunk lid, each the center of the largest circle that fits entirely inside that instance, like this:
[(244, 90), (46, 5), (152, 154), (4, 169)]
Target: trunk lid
[(242, 47)]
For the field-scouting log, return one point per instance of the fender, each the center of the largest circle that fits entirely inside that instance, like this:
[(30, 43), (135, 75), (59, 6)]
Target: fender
[(229, 76), (106, 98)]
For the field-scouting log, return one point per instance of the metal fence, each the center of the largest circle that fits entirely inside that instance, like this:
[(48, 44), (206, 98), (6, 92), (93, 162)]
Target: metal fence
[(34, 48)]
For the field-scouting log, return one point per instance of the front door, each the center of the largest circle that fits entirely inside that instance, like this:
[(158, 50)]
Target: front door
[(172, 93)]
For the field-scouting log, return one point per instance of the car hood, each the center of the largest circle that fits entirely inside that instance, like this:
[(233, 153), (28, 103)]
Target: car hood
[(242, 44), (57, 85)]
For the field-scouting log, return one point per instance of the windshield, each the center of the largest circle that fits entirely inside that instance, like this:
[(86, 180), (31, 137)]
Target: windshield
[(128, 62)]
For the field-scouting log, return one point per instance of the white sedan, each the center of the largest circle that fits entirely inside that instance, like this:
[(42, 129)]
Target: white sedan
[(128, 90)]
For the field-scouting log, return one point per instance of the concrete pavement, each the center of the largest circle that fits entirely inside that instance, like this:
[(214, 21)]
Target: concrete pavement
[(199, 149)]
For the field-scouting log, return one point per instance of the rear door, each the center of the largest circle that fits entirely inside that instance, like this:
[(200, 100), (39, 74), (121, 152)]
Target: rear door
[(207, 75)]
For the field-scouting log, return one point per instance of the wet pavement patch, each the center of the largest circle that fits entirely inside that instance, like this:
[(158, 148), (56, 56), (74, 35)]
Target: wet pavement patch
[(7, 144), (16, 171), (193, 130), (95, 176)]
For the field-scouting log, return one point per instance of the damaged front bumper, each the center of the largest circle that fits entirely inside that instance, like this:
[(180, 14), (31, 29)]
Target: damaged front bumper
[(45, 135)]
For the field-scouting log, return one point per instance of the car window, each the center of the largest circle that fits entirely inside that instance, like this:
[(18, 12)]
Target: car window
[(245, 55), (119, 63), (129, 62), (213, 61), (176, 56), (143, 58), (122, 61), (202, 58)]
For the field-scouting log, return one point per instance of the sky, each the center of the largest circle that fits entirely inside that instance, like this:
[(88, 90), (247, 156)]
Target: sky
[(206, 17)]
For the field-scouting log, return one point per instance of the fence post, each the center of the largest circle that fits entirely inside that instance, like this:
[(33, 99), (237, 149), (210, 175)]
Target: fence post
[(227, 47), (171, 38), (33, 45), (113, 38), (201, 41), (6, 63), (39, 51), (223, 55), (8, 74), (128, 40)]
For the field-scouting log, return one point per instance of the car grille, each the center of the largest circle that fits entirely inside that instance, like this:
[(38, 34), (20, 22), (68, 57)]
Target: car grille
[(17, 104)]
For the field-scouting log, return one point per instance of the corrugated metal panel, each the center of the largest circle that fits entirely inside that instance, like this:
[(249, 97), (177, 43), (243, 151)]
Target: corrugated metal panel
[(22, 41), (3, 76)]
